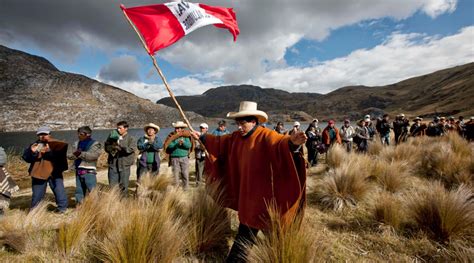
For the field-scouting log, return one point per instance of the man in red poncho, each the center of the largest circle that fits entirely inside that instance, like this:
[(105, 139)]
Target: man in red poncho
[(256, 167)]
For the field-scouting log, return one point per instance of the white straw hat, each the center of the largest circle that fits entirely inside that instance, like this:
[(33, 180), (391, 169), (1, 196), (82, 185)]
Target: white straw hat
[(179, 124), (248, 108), (152, 125)]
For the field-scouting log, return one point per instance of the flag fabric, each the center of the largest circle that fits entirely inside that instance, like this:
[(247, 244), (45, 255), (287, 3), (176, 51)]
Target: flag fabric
[(161, 25)]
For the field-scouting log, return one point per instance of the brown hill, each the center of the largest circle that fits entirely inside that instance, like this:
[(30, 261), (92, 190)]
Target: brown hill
[(34, 92), (445, 92)]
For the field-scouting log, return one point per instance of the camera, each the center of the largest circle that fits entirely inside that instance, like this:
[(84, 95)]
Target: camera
[(40, 147)]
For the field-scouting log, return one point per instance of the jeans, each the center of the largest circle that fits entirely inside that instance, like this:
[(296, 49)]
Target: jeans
[(142, 170), (199, 170), (84, 182), (56, 183), (245, 237), (119, 178), (385, 139), (348, 145), (181, 171)]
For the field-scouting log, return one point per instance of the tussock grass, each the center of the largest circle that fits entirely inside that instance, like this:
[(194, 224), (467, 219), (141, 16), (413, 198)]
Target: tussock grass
[(72, 235), (439, 161), (153, 186), (391, 176), (145, 233), (375, 147), (336, 156), (443, 214), (342, 187), (288, 242), (16, 166), (209, 223), (388, 210)]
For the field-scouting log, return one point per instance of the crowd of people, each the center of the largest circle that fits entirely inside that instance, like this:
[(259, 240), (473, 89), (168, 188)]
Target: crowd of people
[(254, 164), (368, 129)]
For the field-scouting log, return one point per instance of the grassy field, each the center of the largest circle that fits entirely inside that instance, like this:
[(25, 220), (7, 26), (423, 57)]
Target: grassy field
[(410, 203)]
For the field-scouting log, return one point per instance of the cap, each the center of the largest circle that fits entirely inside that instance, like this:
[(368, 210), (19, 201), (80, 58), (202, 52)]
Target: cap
[(331, 122), (43, 130), (204, 125), (296, 123), (347, 121), (401, 115)]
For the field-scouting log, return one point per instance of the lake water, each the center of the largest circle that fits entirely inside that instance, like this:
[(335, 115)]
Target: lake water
[(17, 141)]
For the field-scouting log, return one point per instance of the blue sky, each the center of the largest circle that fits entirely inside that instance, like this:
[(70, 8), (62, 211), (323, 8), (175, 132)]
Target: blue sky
[(311, 46)]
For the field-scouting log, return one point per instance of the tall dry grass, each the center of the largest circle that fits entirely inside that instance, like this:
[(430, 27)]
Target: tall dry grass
[(391, 176), (209, 223), (444, 214), (344, 186), (439, 161), (336, 156), (388, 210), (145, 233), (288, 241)]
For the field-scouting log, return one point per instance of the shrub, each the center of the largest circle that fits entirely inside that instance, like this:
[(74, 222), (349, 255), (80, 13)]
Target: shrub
[(288, 242), (342, 187), (391, 176), (209, 223), (388, 210), (444, 214), (336, 156)]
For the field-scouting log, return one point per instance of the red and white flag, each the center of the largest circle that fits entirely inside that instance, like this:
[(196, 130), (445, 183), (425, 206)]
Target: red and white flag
[(163, 24)]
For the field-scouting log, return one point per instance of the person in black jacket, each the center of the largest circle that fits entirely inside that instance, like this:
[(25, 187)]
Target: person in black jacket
[(384, 129)]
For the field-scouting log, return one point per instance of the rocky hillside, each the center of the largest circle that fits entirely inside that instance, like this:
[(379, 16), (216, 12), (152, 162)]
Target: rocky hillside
[(445, 92), (34, 92)]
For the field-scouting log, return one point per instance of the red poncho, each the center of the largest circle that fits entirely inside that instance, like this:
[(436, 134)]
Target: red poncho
[(255, 170)]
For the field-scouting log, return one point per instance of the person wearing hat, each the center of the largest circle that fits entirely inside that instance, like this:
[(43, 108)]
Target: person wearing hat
[(48, 161), (331, 134), (178, 146), (347, 135), (313, 133), (451, 126), (8, 185), (200, 154), (221, 129), (370, 127), (85, 152), (149, 146), (121, 148), (255, 167), (417, 128), (296, 128)]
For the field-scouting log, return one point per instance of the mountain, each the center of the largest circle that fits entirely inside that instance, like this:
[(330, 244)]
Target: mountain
[(445, 92), (34, 92)]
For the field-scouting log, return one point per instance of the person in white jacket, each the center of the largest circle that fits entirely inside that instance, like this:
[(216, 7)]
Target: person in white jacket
[(347, 135)]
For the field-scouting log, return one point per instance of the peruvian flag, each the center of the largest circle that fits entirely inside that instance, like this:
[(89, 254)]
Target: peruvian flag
[(163, 24)]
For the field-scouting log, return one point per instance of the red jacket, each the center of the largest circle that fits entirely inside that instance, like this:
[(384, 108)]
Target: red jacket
[(327, 139)]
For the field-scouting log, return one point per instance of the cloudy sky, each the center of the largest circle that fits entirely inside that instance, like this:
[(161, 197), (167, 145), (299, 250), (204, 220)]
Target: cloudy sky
[(298, 46)]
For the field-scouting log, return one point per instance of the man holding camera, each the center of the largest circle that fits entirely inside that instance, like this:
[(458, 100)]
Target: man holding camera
[(48, 160), (121, 149)]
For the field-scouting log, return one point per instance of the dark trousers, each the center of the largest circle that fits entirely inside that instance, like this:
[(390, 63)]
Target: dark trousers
[(120, 178), (245, 237), (200, 170), (142, 170), (312, 156), (56, 183), (84, 183)]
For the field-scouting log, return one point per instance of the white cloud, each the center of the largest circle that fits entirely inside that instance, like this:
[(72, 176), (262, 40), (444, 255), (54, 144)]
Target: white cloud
[(435, 8), (154, 92), (400, 57)]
